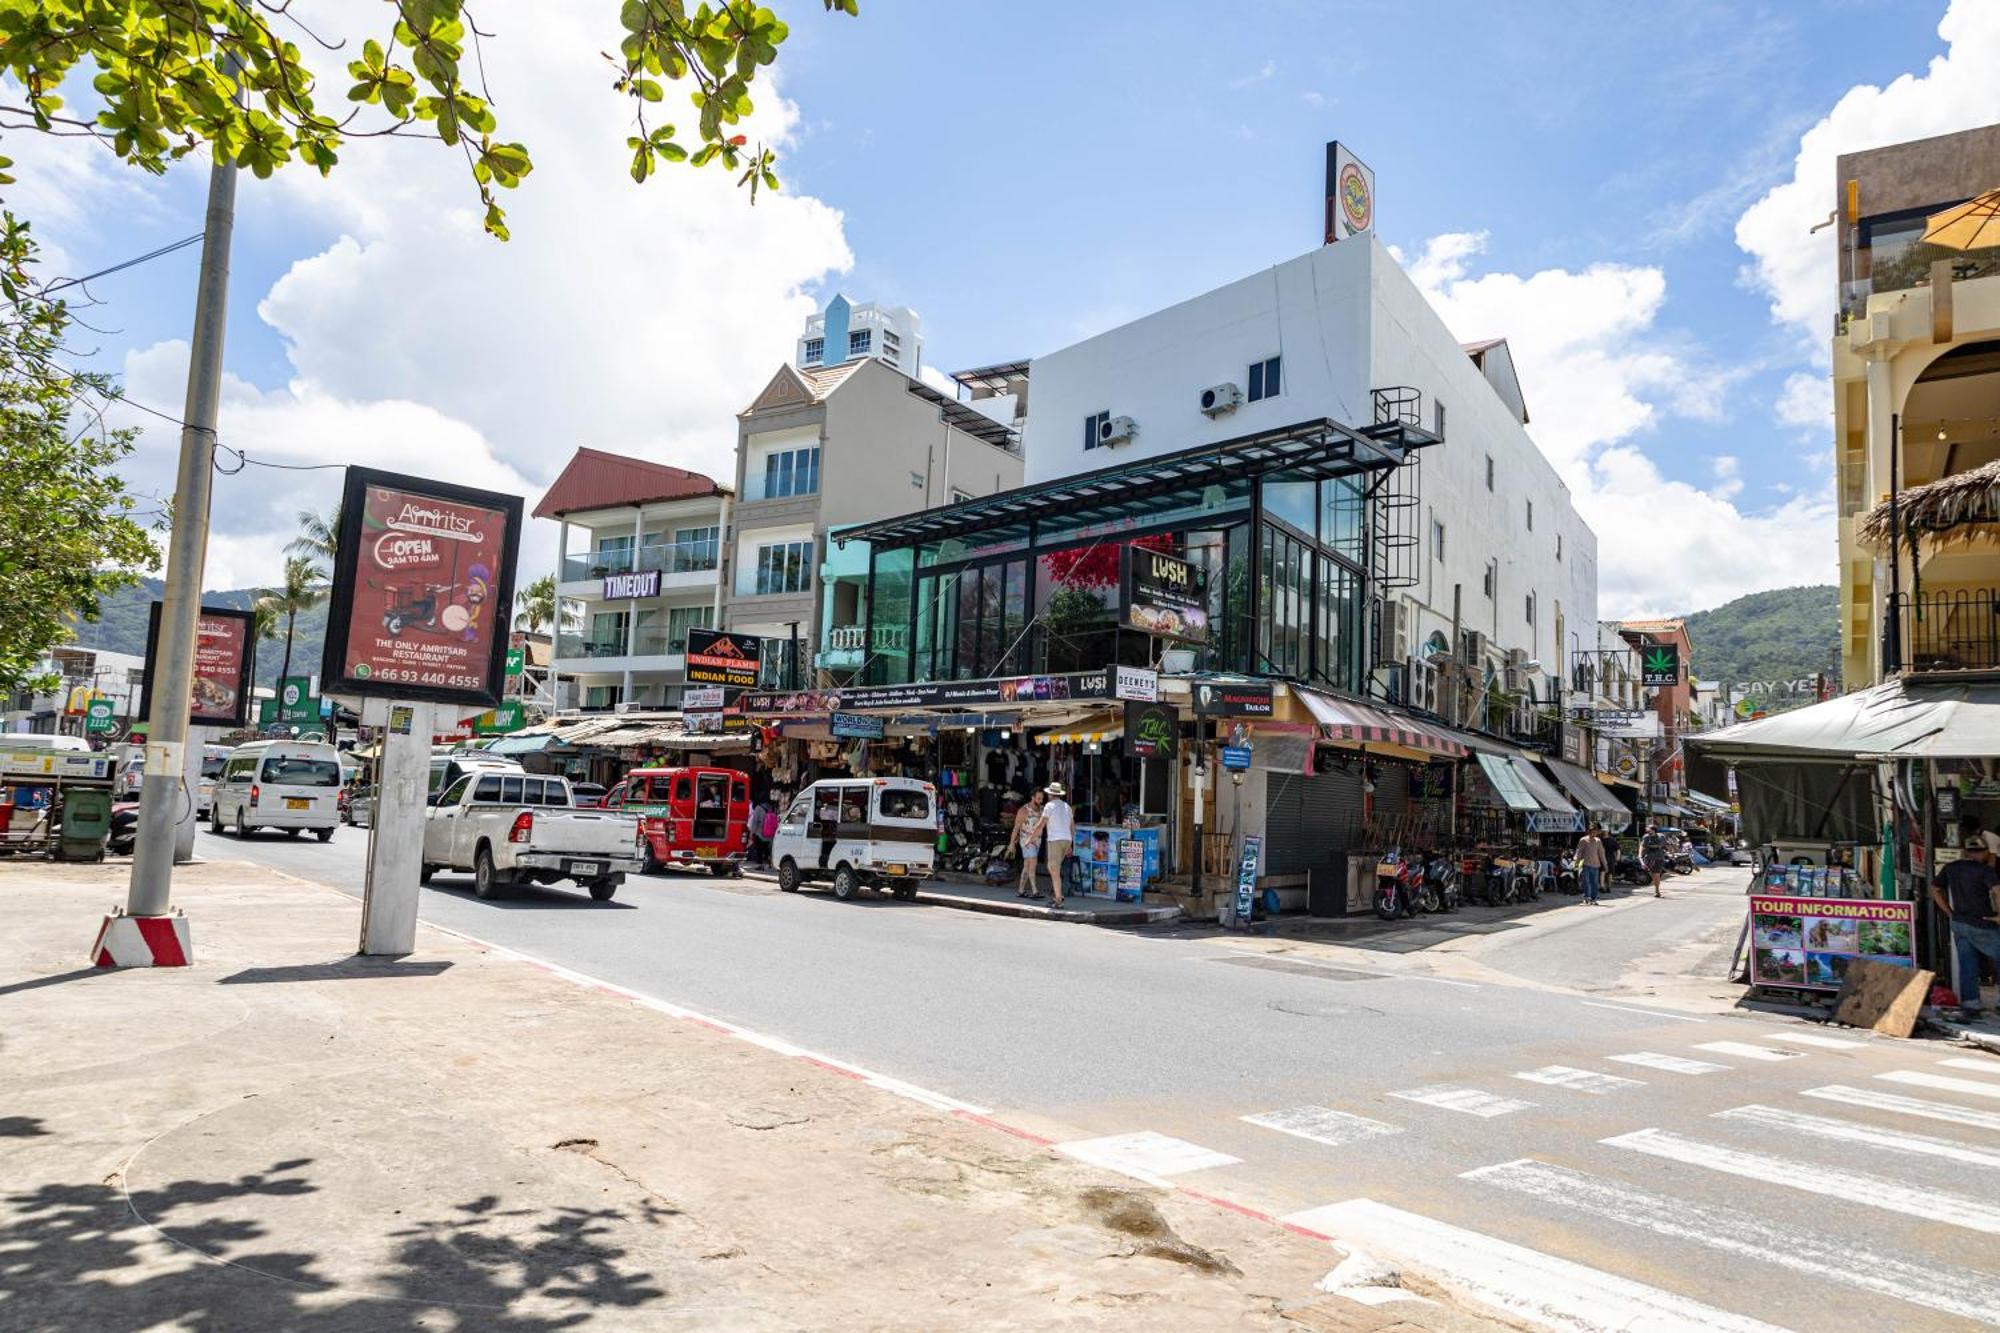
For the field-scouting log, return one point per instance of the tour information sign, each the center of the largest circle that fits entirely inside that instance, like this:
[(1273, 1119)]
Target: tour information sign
[(422, 585), (1807, 943), (223, 656)]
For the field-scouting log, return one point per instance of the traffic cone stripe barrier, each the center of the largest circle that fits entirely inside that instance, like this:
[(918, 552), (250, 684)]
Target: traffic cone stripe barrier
[(143, 941)]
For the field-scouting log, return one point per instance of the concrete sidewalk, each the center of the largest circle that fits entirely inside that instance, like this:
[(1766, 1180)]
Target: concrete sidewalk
[(971, 894), (286, 1136)]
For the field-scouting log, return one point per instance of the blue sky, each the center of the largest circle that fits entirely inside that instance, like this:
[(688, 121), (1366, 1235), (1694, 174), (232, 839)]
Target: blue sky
[(1027, 174)]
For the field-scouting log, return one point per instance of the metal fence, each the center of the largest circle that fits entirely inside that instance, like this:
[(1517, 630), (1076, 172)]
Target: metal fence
[(1949, 630)]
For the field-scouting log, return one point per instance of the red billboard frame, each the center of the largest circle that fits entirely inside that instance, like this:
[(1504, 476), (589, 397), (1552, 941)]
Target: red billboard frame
[(458, 655), (246, 666)]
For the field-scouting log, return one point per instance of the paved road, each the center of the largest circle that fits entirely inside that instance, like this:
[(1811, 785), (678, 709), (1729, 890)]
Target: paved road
[(1579, 1159)]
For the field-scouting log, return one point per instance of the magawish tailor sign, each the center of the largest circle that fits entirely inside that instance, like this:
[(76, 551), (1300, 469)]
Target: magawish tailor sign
[(422, 586), (620, 587), (1216, 698), (1807, 943), (223, 658), (1165, 596), (1660, 665), (1151, 729), (715, 657)]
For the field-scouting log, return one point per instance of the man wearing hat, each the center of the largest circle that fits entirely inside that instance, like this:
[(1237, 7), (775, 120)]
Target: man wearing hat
[(1059, 827)]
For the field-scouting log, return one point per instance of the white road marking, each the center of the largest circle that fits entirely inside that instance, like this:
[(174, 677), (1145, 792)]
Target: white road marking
[(1673, 1064), (1965, 1117), (1578, 1080), (1979, 1066), (1942, 1082), (1854, 1186), (1469, 1100), (1747, 1051), (1321, 1124), (1814, 1039), (1442, 981), (1535, 1288), (1847, 1131), (1955, 1291), (1650, 1013), (1146, 1155)]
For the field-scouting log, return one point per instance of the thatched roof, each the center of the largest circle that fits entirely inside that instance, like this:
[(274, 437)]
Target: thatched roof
[(1950, 510)]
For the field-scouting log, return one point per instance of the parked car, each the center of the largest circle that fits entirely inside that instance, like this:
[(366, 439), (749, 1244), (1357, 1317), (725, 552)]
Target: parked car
[(213, 757), (522, 828), (448, 767), (360, 808), (690, 816), (283, 784), (588, 795), (856, 832)]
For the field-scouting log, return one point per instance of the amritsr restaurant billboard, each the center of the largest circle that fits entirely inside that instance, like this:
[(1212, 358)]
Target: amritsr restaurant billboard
[(422, 589)]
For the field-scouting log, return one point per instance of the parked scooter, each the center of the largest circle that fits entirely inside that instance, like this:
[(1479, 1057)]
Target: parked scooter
[(1680, 863), (1569, 878), (1441, 876), (1627, 868), (1398, 886)]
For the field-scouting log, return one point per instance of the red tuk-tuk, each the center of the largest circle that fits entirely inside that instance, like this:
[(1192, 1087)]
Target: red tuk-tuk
[(690, 816)]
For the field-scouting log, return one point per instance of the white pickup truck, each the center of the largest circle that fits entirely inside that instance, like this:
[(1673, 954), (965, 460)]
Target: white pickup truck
[(523, 828)]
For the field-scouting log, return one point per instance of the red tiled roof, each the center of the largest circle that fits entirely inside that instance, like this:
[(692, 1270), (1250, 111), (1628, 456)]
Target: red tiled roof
[(597, 480)]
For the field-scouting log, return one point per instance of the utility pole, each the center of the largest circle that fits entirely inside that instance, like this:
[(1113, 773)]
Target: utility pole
[(187, 550)]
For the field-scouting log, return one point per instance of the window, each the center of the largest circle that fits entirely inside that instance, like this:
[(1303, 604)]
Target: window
[(1489, 472), (959, 496), (1559, 546), (510, 791), (683, 789), (1437, 540), (1437, 417), (681, 619), (785, 567), (488, 788), (1264, 379), (1492, 578), (1092, 424), (801, 811), (791, 472), (1531, 515), (695, 548), (892, 346), (455, 793), (282, 771), (557, 793), (815, 351), (1531, 609), (901, 804), (859, 342)]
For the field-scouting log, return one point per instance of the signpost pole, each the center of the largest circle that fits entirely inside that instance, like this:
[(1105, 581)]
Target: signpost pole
[(396, 826), (184, 826)]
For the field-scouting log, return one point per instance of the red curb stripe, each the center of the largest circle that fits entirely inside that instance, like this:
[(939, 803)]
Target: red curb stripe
[(829, 1065), (990, 1123), (1253, 1214)]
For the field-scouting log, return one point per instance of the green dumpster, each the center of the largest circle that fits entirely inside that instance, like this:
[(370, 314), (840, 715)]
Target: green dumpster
[(86, 823)]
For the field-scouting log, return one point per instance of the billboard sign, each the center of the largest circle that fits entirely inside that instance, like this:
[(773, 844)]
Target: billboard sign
[(225, 653), (422, 586), (1350, 194), (718, 657), (1151, 729), (619, 587), (1807, 943), (1165, 596), (101, 715), (858, 726), (1216, 698), (1660, 665)]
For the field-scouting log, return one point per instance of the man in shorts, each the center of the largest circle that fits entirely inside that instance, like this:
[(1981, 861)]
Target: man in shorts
[(1059, 825), (1653, 854)]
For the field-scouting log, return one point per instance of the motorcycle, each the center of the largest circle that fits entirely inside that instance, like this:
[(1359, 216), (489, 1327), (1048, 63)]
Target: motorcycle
[(124, 835), (1398, 886), (1442, 875), (1680, 863), (1569, 878), (1627, 868)]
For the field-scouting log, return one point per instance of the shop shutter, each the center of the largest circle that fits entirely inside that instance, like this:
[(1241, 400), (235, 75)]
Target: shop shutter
[(1310, 821), (1392, 790)]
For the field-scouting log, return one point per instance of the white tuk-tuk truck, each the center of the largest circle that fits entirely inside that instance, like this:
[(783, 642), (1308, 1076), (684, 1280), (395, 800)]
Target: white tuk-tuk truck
[(856, 833)]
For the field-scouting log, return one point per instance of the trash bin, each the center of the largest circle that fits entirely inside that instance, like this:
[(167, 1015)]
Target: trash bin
[(86, 823)]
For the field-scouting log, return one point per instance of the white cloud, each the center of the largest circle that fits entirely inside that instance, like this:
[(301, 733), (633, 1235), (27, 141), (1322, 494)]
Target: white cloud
[(1264, 74), (1794, 265), (1806, 403), (1313, 98)]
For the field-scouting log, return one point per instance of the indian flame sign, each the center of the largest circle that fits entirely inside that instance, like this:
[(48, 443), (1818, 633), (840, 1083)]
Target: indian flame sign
[(718, 658)]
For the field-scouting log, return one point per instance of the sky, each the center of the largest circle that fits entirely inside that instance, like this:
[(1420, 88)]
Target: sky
[(1624, 192)]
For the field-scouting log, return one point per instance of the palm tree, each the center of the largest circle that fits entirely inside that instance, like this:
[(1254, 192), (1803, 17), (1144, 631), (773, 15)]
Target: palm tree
[(319, 535), (538, 605), (303, 589), (263, 627)]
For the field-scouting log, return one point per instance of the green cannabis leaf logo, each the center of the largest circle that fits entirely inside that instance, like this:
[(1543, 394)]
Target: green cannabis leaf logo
[(1662, 662)]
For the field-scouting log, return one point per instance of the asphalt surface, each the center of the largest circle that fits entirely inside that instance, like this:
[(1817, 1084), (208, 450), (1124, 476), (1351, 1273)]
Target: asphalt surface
[(1480, 1098)]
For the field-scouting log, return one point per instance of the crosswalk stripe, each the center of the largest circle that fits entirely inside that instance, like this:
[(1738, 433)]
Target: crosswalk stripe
[(1954, 1291), (1323, 1125), (1578, 1080), (1965, 1117), (1942, 1082), (1847, 1131), (1471, 1101), (1672, 1064), (1146, 1156), (1814, 1039), (1980, 1066), (1536, 1288), (1747, 1051), (1875, 1191)]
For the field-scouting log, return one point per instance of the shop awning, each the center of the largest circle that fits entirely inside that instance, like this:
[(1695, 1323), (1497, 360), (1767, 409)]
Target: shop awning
[(526, 744), (1098, 727), (1506, 780), (1584, 788), (1895, 720), (1354, 722), (1545, 793)]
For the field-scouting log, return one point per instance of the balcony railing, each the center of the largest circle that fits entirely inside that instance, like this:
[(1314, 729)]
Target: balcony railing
[(1956, 629), (647, 643), (1908, 268), (691, 557)]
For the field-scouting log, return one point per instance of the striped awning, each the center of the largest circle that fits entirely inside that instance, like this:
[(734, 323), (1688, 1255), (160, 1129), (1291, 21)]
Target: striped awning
[(1355, 722), (1097, 727)]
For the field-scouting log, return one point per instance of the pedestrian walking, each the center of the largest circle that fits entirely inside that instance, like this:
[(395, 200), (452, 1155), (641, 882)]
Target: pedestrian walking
[(1653, 854), (1968, 891), (1059, 827), (768, 830), (1026, 839), (1591, 860), (753, 831)]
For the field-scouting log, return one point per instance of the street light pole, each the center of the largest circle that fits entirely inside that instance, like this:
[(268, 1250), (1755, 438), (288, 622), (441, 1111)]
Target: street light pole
[(187, 549)]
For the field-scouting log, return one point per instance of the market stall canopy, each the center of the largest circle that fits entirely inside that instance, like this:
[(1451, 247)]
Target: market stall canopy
[(1894, 720), (521, 743), (1586, 790), (1506, 780), (1353, 722), (1097, 727)]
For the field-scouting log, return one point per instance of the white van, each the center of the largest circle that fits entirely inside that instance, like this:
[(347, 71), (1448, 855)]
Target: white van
[(856, 832), (292, 785)]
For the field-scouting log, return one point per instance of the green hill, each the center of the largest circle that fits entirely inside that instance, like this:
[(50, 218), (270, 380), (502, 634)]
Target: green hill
[(121, 628), (1784, 634)]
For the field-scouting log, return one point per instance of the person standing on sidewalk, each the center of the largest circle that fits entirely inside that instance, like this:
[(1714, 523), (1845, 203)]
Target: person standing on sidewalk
[(1060, 827), (1968, 891), (753, 832), (1591, 859), (1653, 854), (1027, 840)]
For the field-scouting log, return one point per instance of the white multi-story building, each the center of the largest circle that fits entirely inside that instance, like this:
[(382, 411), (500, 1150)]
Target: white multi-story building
[(79, 673), (846, 332), (1484, 573), (638, 565)]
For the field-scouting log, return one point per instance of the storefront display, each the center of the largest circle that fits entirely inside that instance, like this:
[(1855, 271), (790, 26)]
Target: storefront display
[(1118, 862), (1807, 942)]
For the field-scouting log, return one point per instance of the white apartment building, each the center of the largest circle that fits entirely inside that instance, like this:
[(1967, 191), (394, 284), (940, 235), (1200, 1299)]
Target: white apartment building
[(846, 332), (1482, 568), (117, 676), (639, 564)]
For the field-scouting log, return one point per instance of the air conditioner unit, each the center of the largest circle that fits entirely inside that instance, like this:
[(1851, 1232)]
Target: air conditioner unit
[(1220, 398), (1116, 430), (1395, 683), (630, 706), (1423, 684), (1472, 649), (1398, 627), (1517, 658), (1514, 680)]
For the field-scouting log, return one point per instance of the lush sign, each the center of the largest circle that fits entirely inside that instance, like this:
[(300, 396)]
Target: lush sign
[(223, 658), (1165, 595), (716, 657)]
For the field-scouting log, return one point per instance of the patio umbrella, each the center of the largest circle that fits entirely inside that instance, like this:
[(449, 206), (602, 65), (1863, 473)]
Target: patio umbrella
[(1972, 225)]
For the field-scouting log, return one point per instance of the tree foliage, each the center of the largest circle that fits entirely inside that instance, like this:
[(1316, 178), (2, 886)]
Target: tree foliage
[(168, 73), (69, 530), (537, 603), (319, 535), (1786, 634), (303, 589)]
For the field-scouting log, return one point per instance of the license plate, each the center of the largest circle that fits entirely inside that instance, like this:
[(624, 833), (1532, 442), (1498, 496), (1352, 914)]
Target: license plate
[(297, 803), (586, 867), (707, 853), (899, 868)]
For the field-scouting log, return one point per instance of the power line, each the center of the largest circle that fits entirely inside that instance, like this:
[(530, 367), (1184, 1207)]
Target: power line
[(181, 244)]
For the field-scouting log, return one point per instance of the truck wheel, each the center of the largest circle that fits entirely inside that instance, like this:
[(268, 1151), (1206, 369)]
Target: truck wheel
[(788, 876), (846, 883), (425, 871), (906, 889), (487, 880), (323, 834), (215, 820), (242, 828), (602, 889)]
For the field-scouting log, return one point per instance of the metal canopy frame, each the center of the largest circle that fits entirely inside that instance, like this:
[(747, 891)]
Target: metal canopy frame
[(1318, 450)]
